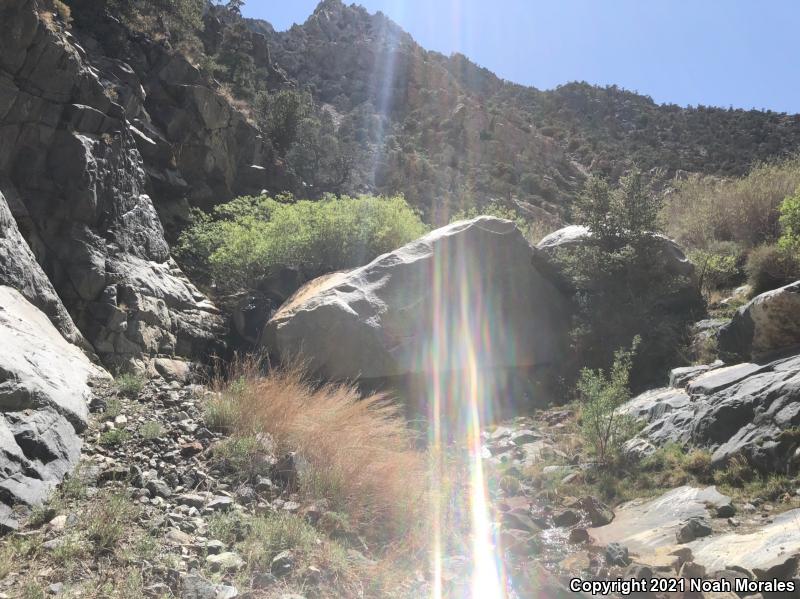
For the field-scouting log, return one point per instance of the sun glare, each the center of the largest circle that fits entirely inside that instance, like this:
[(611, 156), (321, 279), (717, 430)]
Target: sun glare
[(460, 398)]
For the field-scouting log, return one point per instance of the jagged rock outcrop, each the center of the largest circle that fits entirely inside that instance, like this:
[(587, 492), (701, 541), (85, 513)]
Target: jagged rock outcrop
[(769, 323), (467, 294), (197, 148), (744, 409), (19, 269), (44, 394), (70, 155)]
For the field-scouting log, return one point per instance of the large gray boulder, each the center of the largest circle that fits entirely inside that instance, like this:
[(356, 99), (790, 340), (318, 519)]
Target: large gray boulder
[(668, 257), (468, 293), (742, 409), (769, 323), (45, 387)]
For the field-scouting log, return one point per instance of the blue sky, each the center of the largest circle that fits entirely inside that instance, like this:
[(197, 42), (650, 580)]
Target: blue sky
[(740, 53)]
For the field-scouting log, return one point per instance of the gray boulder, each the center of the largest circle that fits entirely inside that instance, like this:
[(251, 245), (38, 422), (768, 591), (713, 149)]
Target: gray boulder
[(470, 292), (44, 393), (670, 256), (742, 409), (769, 323)]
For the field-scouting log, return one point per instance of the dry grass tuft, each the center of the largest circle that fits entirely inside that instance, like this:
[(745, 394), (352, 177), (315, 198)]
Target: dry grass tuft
[(354, 451), (704, 210)]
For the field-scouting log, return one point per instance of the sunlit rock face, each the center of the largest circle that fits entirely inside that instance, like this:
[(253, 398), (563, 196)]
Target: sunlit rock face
[(44, 398), (468, 296), (769, 323)]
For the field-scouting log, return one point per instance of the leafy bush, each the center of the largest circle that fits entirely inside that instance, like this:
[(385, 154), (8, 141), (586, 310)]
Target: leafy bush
[(250, 238), (720, 266), (772, 266), (790, 221), (604, 429)]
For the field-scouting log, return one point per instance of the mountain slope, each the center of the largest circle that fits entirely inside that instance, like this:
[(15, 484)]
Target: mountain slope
[(449, 133)]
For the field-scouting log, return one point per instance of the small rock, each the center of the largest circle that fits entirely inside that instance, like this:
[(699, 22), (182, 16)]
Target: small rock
[(214, 547), (524, 436), (579, 535), (178, 537), (566, 518), (158, 488), (58, 523), (617, 555), (726, 510), (121, 420), (220, 503), (191, 499), (599, 513), (282, 563), (227, 562), (692, 529), (190, 449), (55, 588)]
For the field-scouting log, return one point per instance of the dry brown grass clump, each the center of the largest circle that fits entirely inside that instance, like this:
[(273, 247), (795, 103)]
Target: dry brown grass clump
[(704, 210), (354, 451)]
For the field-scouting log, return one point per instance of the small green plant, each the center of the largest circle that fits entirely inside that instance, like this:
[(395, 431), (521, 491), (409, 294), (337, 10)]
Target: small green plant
[(151, 430), (113, 409), (107, 520), (113, 437), (220, 413), (129, 385), (246, 457), (602, 426), (271, 534)]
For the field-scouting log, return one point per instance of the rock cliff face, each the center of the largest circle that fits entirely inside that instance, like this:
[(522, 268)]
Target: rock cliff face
[(81, 159)]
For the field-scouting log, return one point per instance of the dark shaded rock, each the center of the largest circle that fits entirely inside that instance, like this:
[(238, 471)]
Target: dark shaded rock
[(617, 555), (692, 529)]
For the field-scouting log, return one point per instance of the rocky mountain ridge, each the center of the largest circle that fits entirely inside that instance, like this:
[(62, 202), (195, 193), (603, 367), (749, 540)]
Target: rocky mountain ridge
[(447, 132)]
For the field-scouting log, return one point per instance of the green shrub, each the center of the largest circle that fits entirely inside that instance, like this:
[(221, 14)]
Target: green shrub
[(790, 222), (250, 238), (151, 430), (129, 385), (113, 437), (772, 266), (720, 266), (601, 394)]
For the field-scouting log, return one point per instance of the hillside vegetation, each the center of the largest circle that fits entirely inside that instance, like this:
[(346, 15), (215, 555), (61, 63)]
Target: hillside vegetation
[(351, 104), (739, 229)]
